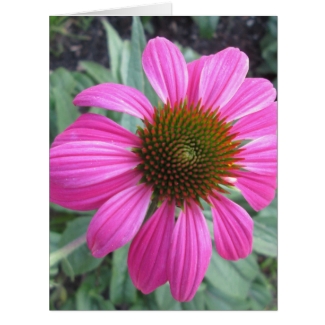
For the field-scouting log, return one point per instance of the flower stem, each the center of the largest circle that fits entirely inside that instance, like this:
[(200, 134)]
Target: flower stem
[(66, 250)]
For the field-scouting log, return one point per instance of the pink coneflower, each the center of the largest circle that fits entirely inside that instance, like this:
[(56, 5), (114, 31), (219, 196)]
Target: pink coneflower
[(190, 149)]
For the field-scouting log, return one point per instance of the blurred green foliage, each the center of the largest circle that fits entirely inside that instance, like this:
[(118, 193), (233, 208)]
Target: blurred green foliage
[(57, 25), (207, 25), (60, 26), (81, 282), (269, 50)]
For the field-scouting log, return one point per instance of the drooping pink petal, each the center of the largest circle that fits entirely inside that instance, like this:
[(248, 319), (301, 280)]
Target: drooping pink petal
[(258, 190), (258, 124), (260, 155), (84, 163), (93, 196), (221, 76), (118, 220), (194, 74), (118, 98), (95, 127), (166, 69), (253, 95), (148, 252), (189, 254), (233, 229)]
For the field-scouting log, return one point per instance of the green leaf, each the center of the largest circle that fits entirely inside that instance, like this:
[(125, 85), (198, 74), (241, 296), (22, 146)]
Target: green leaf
[(138, 306), (60, 209), (58, 296), (207, 25), (53, 271), (164, 299), (62, 78), (189, 54), (82, 81), (98, 110), (130, 122), (136, 77), (69, 304), (90, 293), (138, 42), (197, 303), (140, 303), (272, 24), (236, 196), (84, 22), (125, 58), (115, 45), (97, 72), (53, 127), (269, 48), (265, 235), (247, 267), (59, 220), (99, 75), (121, 288), (54, 241), (260, 296), (57, 20), (215, 299), (66, 112), (265, 230), (54, 245), (210, 224), (105, 304), (150, 301), (232, 278), (84, 302), (269, 54), (115, 116), (79, 261), (270, 211)]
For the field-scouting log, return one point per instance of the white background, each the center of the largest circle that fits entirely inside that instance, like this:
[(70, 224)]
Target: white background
[(24, 162)]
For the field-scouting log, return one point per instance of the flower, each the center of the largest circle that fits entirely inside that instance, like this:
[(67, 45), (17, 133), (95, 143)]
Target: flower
[(190, 149)]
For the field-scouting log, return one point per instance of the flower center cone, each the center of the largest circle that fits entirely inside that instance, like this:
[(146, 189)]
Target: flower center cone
[(187, 152)]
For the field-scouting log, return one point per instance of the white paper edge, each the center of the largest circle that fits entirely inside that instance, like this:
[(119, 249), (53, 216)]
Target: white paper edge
[(159, 9)]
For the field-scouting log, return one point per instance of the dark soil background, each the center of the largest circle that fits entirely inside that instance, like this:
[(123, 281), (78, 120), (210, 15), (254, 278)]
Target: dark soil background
[(90, 43)]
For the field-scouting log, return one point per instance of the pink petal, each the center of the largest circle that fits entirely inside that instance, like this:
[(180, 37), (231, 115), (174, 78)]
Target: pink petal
[(233, 229), (190, 253), (91, 197), (194, 75), (94, 127), (118, 220), (84, 163), (260, 155), (166, 69), (221, 76), (149, 250), (118, 98), (258, 124), (258, 190), (253, 95)]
